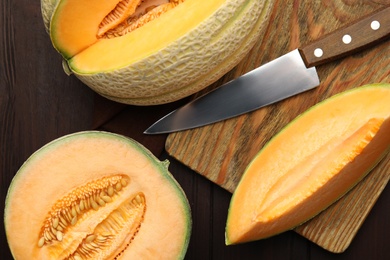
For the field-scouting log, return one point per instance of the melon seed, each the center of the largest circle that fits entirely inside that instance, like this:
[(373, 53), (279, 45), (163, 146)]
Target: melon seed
[(101, 202), (62, 221), (74, 221), (101, 239), (77, 257), (41, 242), (68, 215), (81, 205), (106, 198), (46, 236), (76, 206), (59, 235), (90, 238), (93, 244), (60, 228), (139, 199), (74, 213), (52, 235), (89, 247), (53, 231), (118, 186), (123, 182), (110, 191), (95, 206), (87, 204), (55, 222)]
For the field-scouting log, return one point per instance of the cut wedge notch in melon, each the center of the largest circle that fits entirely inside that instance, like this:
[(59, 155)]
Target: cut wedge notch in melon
[(164, 51)]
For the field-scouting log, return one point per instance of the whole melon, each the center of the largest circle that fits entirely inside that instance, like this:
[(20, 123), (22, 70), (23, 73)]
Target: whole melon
[(96, 195), (156, 51)]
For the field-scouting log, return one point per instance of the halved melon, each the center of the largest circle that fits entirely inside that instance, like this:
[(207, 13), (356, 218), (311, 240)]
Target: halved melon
[(155, 51), (311, 163), (96, 195)]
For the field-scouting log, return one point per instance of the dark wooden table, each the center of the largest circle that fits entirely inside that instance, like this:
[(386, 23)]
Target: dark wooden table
[(39, 103)]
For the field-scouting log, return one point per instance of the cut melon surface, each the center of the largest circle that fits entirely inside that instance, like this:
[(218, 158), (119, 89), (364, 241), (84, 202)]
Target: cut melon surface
[(173, 54), (96, 195), (311, 163), (72, 34)]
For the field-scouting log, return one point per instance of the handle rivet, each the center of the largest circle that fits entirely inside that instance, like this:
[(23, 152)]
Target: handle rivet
[(318, 52), (347, 39), (375, 25)]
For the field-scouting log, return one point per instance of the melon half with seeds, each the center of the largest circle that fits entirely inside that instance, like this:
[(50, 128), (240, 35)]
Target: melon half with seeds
[(153, 51), (96, 195), (311, 163)]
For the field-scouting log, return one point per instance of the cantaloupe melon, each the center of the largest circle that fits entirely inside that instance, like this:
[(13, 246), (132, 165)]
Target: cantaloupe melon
[(96, 195), (173, 48), (311, 163)]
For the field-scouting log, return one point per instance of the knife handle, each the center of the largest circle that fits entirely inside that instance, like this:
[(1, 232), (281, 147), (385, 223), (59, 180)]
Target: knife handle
[(348, 39)]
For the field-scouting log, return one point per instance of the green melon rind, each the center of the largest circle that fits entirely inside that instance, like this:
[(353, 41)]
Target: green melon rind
[(158, 80), (162, 167), (320, 104), (47, 10)]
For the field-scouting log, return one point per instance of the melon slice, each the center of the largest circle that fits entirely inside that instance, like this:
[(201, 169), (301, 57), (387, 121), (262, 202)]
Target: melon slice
[(154, 51), (96, 195), (311, 163)]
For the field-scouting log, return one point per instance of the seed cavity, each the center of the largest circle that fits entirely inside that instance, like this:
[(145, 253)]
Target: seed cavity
[(68, 210), (115, 233), (129, 15)]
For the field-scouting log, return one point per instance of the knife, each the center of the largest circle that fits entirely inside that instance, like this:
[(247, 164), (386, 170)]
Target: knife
[(276, 80)]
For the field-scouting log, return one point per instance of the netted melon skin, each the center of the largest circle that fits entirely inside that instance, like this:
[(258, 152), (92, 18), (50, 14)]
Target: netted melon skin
[(47, 9), (189, 64)]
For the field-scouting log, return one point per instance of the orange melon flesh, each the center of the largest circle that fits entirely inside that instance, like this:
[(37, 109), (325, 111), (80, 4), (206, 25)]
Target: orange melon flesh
[(74, 28), (311, 163), (70, 163), (74, 33)]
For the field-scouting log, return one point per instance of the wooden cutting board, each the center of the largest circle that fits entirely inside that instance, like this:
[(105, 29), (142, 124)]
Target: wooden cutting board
[(221, 151)]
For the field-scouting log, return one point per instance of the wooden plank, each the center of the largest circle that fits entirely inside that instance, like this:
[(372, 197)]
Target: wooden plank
[(221, 151), (335, 228)]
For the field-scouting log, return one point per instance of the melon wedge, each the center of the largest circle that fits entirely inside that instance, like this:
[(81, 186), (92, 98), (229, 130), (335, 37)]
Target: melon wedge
[(173, 54), (96, 195), (311, 163)]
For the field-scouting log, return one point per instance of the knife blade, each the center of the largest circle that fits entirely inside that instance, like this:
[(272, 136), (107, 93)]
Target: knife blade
[(286, 76)]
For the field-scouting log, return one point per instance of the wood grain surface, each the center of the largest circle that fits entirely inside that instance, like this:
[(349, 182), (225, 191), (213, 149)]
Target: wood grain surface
[(39, 102), (220, 152)]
